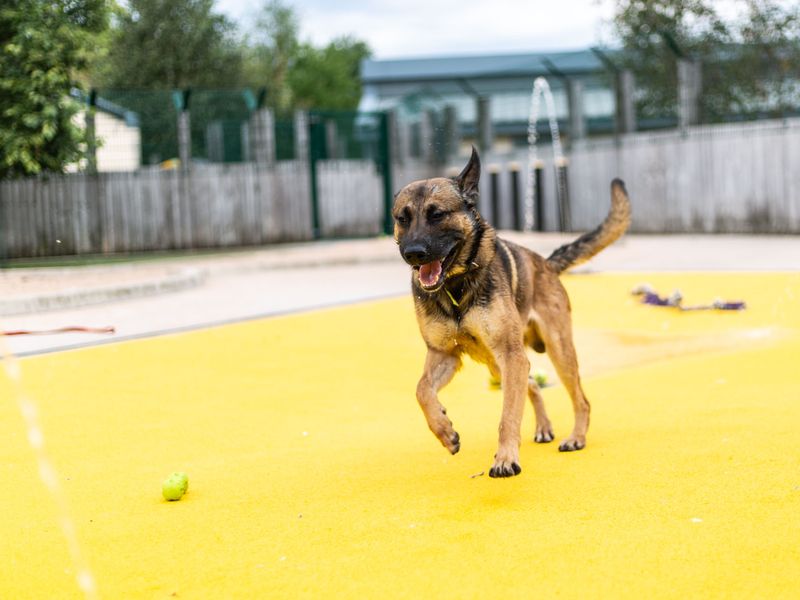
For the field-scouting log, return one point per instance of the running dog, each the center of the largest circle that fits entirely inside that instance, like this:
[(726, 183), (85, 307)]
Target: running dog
[(477, 294)]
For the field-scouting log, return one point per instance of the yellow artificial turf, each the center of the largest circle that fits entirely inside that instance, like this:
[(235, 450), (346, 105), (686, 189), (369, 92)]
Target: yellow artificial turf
[(312, 472)]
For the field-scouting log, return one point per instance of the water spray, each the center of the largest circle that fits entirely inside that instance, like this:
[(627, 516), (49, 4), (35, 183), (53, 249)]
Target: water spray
[(540, 88)]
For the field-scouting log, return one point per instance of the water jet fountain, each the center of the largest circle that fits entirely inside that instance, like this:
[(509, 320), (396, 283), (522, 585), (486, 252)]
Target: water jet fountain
[(542, 88)]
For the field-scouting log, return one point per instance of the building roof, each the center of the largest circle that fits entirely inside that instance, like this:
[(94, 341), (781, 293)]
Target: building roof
[(131, 118), (498, 65)]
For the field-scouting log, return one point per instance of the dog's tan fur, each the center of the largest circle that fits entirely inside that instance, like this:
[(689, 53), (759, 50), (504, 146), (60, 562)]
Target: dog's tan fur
[(492, 300)]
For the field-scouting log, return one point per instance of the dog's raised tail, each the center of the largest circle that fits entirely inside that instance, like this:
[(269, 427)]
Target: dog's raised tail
[(589, 244)]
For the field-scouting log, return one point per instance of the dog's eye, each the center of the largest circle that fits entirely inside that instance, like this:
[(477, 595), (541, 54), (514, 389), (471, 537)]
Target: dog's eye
[(435, 214), (402, 220)]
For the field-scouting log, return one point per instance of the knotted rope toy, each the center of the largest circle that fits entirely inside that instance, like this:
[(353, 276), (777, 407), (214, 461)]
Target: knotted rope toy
[(675, 300)]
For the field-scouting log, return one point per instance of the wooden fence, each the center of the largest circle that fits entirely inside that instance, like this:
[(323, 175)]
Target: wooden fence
[(740, 178), (723, 179), (210, 206), (350, 198), (734, 178)]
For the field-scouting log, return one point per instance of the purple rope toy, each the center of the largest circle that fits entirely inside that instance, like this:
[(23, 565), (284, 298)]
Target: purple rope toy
[(651, 297)]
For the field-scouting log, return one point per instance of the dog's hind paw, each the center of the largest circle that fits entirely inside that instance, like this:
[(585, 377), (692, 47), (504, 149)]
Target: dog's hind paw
[(505, 469), (571, 444)]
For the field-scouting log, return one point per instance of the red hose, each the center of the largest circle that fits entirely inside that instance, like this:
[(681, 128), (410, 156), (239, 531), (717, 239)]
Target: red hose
[(61, 330)]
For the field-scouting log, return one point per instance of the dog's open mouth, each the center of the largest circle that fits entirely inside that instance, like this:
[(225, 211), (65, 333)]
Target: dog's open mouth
[(432, 275)]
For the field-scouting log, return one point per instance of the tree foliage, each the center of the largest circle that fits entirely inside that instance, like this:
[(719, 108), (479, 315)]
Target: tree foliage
[(746, 60), (169, 44), (159, 44), (770, 54), (148, 48), (270, 48), (43, 47), (299, 75), (328, 77)]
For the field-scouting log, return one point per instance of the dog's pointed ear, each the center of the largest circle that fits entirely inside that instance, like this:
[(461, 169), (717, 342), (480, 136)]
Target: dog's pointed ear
[(467, 180)]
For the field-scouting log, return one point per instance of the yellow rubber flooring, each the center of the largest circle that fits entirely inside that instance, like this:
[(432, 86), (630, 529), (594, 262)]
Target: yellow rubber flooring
[(312, 472)]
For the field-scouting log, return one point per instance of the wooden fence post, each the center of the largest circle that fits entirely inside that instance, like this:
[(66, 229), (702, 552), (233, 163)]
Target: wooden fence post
[(626, 112), (690, 83), (426, 137), (395, 143), (517, 207), (494, 185), (301, 135), (262, 137), (331, 139), (452, 134), (562, 196), (91, 133), (577, 122), (181, 100), (485, 134), (538, 197)]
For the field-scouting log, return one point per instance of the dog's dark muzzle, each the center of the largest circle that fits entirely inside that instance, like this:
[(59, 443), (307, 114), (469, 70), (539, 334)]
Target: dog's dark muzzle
[(416, 254)]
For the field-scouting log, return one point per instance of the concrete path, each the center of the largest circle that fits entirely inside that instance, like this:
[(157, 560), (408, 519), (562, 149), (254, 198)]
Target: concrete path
[(187, 292)]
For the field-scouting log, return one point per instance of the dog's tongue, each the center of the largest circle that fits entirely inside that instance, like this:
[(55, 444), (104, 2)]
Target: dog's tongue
[(429, 274)]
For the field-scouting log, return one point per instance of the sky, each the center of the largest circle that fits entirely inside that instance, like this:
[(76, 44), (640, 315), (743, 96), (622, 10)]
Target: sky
[(411, 28)]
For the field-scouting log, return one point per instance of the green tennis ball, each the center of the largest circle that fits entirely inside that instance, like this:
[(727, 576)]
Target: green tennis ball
[(175, 486), (184, 480), (540, 377)]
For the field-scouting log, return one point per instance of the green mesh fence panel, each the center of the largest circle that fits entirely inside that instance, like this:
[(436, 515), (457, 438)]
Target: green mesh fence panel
[(218, 122), (221, 132), (345, 135), (156, 116), (284, 139), (217, 119)]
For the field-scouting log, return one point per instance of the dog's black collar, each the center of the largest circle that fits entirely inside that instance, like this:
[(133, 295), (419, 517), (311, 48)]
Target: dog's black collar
[(476, 243), (455, 292)]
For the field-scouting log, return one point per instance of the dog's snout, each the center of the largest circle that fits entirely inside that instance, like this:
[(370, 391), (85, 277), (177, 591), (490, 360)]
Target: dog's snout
[(415, 254)]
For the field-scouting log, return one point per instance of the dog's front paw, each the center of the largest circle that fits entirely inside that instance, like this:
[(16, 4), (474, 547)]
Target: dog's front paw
[(449, 438), (505, 469), (505, 465), (544, 434), (571, 444), (442, 428), (454, 443)]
